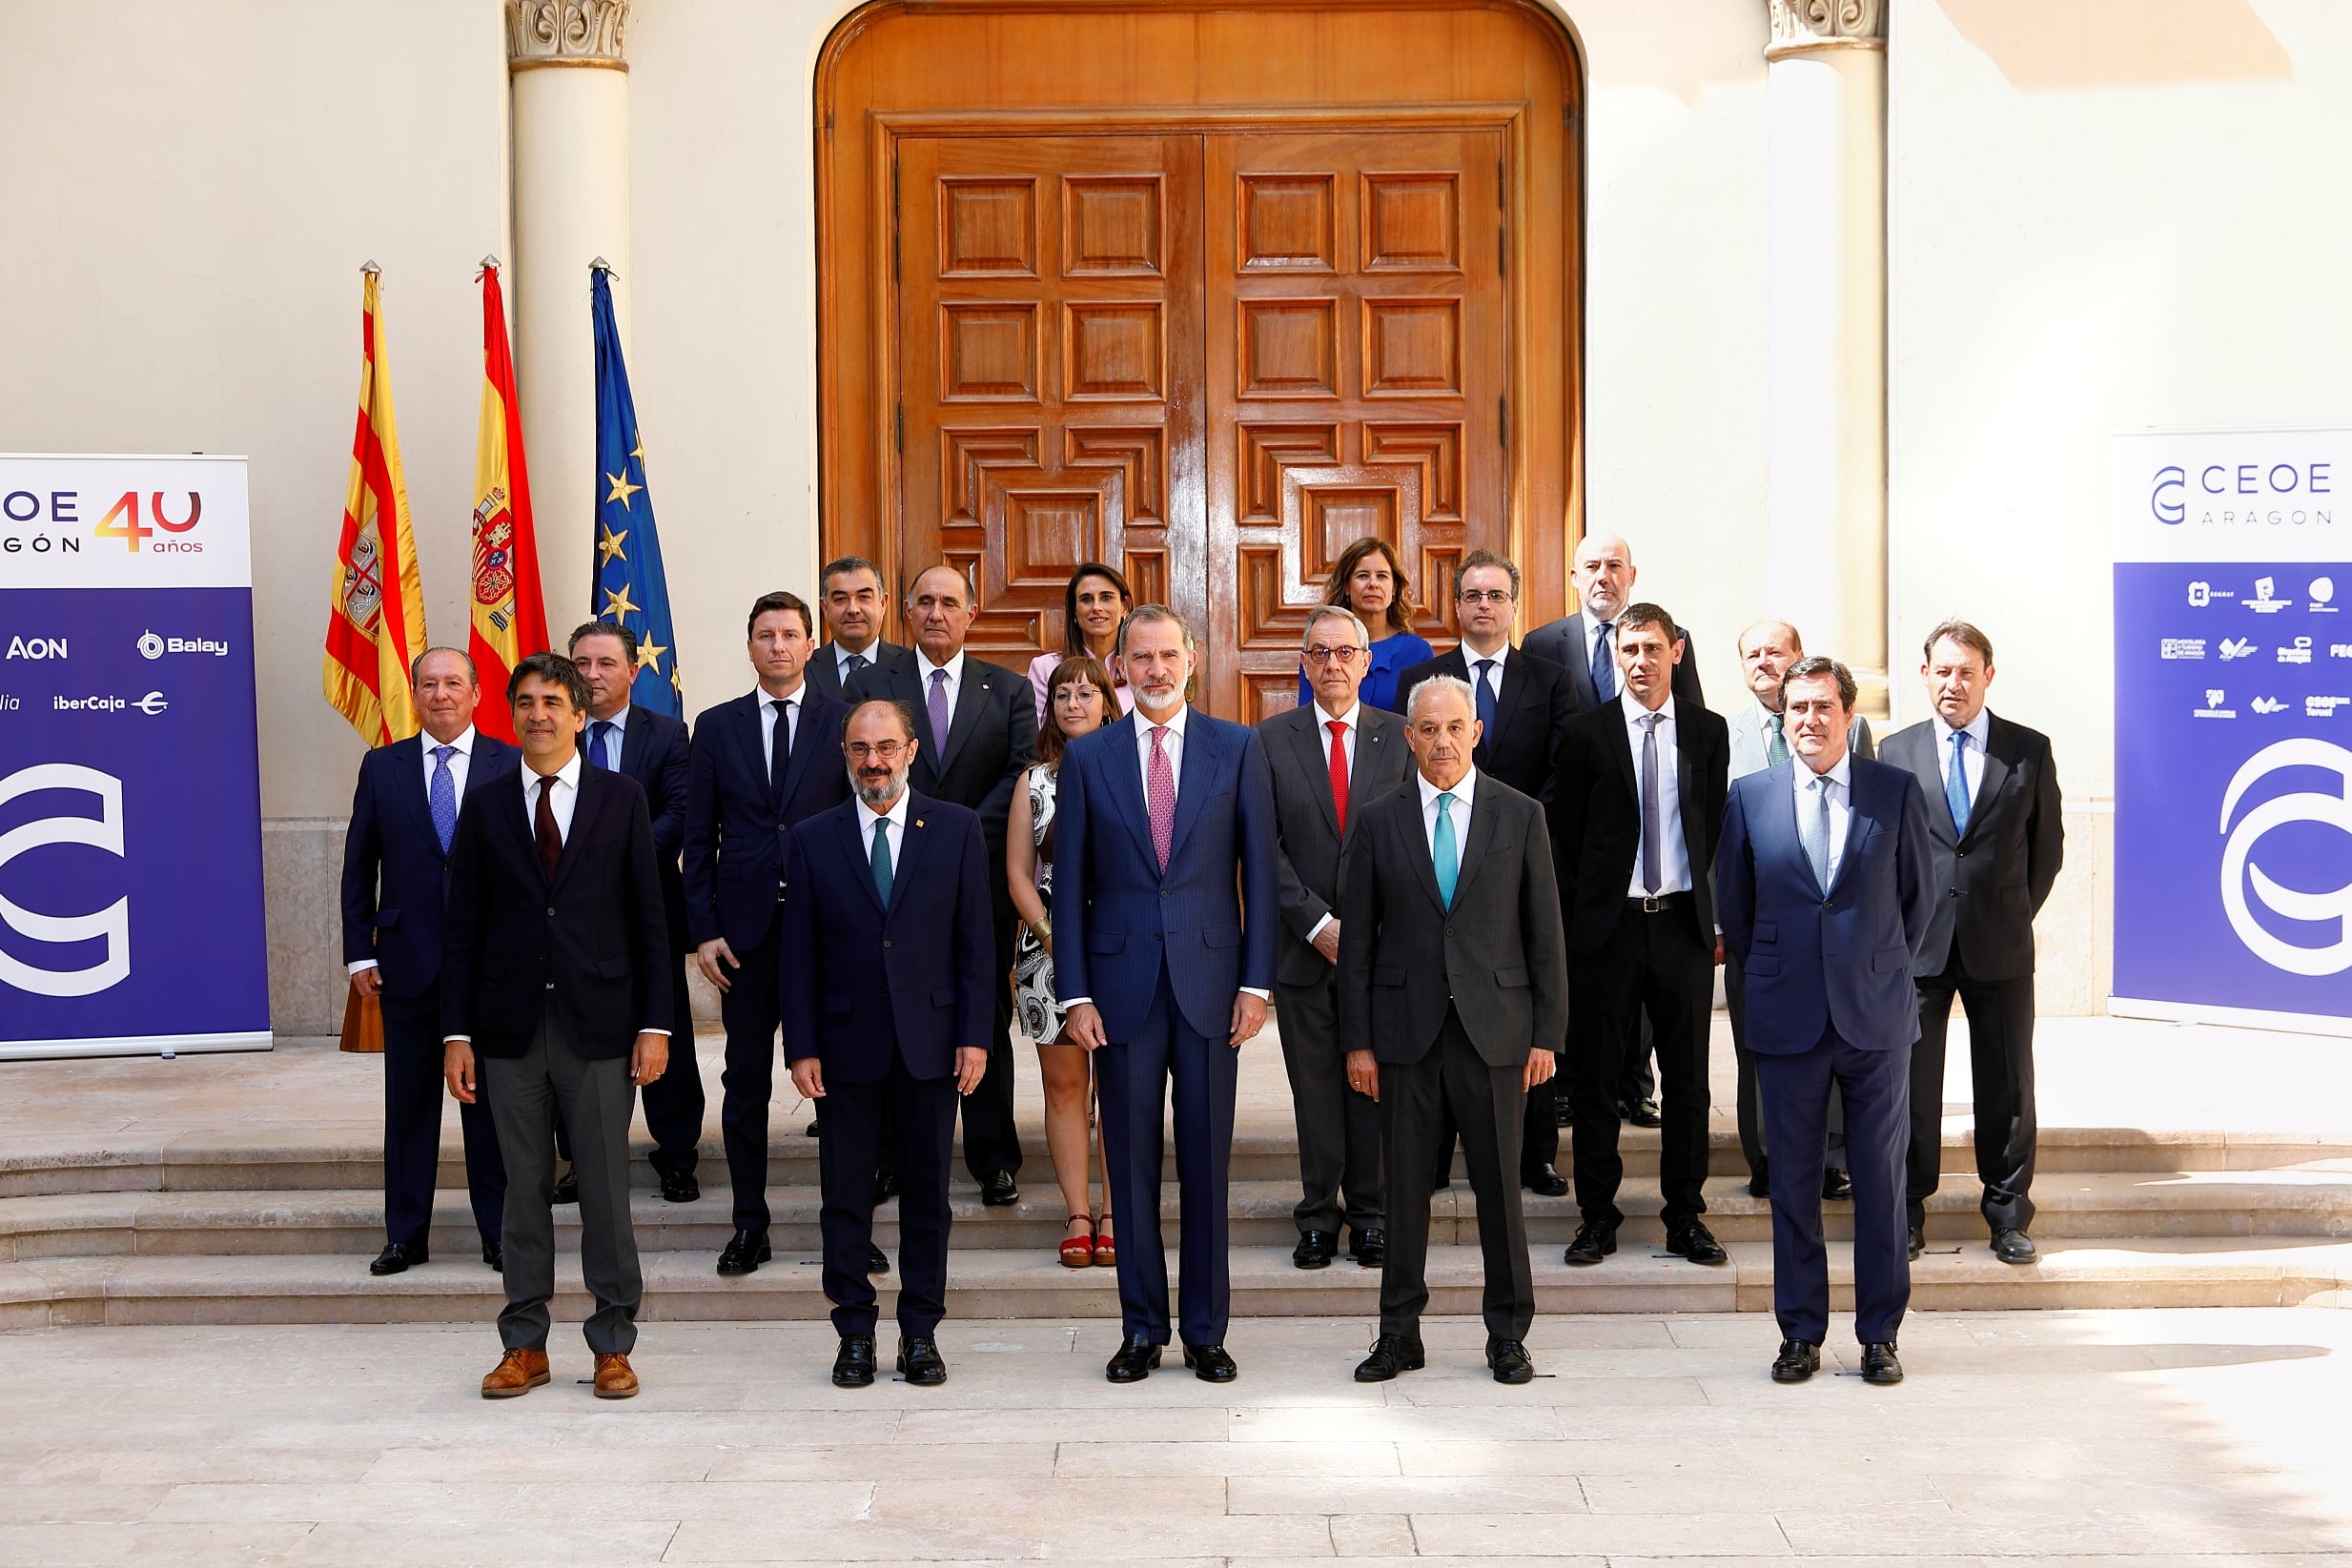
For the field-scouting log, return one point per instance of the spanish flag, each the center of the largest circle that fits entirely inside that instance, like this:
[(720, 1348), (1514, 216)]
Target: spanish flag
[(376, 601), (510, 617)]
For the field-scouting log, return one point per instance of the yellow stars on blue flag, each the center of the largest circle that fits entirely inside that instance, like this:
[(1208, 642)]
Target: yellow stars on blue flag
[(628, 585)]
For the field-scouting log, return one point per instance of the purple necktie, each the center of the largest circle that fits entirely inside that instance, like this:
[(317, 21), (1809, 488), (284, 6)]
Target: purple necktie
[(939, 714), (1653, 853), (1160, 793)]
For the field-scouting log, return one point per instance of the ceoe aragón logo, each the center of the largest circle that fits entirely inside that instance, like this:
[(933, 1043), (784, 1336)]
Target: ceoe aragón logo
[(112, 924), (2336, 904)]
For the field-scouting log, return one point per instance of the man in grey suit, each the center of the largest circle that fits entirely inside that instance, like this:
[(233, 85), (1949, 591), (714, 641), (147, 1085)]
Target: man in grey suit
[(1997, 835), (1760, 740), (1331, 759), (853, 605), (1453, 970)]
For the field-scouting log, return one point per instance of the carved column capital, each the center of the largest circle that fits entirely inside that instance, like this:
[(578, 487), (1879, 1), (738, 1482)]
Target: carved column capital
[(1807, 27), (566, 32)]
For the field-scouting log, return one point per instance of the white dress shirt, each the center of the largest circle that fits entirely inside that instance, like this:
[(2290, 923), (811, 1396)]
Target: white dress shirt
[(841, 655), (1458, 813), (1973, 763), (922, 671), (460, 761), (767, 721), (618, 738), (1839, 781), (895, 833), (1492, 678), (1673, 854), (1324, 719)]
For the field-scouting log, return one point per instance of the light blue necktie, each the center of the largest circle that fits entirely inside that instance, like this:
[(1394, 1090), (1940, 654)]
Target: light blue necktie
[(1604, 664), (1442, 854), (1955, 782), (601, 747), (882, 858), (1818, 832), (442, 797)]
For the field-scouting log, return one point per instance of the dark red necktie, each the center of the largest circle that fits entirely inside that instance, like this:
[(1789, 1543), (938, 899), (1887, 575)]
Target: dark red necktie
[(1339, 770), (542, 827)]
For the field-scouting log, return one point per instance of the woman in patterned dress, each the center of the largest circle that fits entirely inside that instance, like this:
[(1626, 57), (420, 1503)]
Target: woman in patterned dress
[(1077, 700)]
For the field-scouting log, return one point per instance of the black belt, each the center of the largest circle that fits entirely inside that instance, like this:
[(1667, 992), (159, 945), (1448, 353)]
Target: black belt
[(1657, 904)]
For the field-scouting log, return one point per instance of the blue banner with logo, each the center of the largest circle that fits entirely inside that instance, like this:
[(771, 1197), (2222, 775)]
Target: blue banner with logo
[(130, 910), (2233, 599)]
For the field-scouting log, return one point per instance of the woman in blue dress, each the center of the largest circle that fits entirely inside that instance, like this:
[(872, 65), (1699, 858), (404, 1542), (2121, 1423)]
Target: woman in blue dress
[(1370, 581)]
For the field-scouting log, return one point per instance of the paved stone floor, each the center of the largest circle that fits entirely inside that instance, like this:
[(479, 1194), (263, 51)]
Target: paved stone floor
[(2148, 1438)]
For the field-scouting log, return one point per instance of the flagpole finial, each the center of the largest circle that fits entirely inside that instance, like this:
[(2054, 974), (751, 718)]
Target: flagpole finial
[(600, 265), (370, 267), (491, 262)]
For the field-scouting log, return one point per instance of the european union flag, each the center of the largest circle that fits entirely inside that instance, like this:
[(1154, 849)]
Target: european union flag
[(628, 586)]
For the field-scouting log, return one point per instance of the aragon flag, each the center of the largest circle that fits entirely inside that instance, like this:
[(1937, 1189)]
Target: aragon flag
[(509, 610), (628, 585), (376, 598)]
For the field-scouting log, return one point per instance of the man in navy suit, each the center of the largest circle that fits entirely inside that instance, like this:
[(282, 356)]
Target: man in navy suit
[(1158, 817), (761, 763), (651, 748), (396, 887), (888, 948), (852, 602), (1824, 886)]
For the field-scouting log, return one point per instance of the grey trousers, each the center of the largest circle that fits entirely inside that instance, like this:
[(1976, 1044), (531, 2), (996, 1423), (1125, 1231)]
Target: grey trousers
[(594, 1098), (1338, 1129)]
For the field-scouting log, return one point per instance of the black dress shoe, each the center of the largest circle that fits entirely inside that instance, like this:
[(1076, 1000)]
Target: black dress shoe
[(854, 1364), (566, 1187), (875, 1262), (1368, 1245), (1595, 1240), (1315, 1250), (1645, 1113), (1918, 1241), (1695, 1242), (1835, 1185), (1760, 1183), (918, 1357), (398, 1255), (495, 1255), (1797, 1362), (1132, 1361), (1391, 1355), (811, 1131), (1210, 1364), (680, 1187), (1545, 1181), (747, 1252), (998, 1191), (885, 1186), (1564, 1114), (2015, 1246), (1879, 1365), (1508, 1358)]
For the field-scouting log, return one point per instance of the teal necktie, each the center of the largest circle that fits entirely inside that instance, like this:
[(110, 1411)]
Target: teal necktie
[(1448, 865), (882, 858)]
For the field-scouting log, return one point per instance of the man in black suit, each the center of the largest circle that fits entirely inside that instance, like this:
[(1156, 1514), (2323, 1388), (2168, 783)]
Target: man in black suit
[(651, 748), (1998, 836), (1584, 644), (760, 763), (1330, 760), (1642, 782), (886, 948), (1524, 706), (564, 1009), (853, 605), (1451, 966), (396, 886), (978, 731)]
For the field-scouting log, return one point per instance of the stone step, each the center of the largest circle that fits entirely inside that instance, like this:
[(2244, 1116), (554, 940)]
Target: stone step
[(350, 1157), (2086, 1205), (309, 1288)]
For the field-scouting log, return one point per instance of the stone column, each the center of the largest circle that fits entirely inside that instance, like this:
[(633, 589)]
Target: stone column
[(1826, 112), (571, 205)]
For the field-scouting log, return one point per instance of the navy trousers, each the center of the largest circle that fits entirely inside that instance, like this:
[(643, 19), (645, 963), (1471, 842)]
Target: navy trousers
[(413, 1093), (1796, 1091), (921, 1114), (1135, 1075)]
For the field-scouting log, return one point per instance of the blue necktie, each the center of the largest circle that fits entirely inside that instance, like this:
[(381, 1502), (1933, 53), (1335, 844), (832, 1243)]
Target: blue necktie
[(882, 858), (1955, 782), (601, 747), (858, 661), (1818, 832), (1441, 854), (442, 797), (1604, 664), (1486, 699)]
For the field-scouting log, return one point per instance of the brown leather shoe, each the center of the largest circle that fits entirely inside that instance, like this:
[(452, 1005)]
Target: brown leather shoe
[(614, 1381), (517, 1372)]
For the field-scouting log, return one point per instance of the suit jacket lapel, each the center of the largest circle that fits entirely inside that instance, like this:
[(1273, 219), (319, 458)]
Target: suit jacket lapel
[(1474, 847), (970, 692), (745, 720), (1127, 782), (1996, 774), (1687, 795), (1312, 744), (913, 840), (588, 805), (805, 746), (1509, 688), (1784, 812), (860, 850), (1859, 818), (1195, 771), (1621, 748), (410, 780), (1580, 662), (1414, 843)]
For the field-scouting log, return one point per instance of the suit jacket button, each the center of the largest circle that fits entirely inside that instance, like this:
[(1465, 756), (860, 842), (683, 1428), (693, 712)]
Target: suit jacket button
[(886, 942), (1163, 892), (551, 914)]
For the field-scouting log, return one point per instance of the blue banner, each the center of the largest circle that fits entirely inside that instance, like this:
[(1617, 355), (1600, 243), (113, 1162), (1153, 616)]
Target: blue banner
[(631, 588), (2233, 881), (131, 903)]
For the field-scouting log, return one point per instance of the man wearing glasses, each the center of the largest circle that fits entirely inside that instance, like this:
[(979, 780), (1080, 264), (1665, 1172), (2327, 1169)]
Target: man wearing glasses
[(1524, 702)]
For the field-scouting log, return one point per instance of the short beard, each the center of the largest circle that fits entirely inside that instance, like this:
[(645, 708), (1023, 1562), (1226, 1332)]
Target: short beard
[(1175, 701), (880, 797)]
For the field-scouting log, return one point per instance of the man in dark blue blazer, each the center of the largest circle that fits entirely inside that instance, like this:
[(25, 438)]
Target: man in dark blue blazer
[(851, 601), (395, 889), (887, 951), (1824, 886), (651, 748), (1158, 817), (761, 764)]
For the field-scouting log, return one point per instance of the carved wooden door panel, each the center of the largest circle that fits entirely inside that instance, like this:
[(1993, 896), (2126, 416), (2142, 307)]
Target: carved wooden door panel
[(1050, 357), (1357, 369)]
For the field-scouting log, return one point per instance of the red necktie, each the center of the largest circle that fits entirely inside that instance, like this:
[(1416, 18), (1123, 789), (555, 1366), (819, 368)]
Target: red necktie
[(543, 829), (1339, 770)]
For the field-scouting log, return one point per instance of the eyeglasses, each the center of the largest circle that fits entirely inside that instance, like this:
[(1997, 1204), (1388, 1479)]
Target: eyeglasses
[(1483, 595), (881, 751), (1321, 655)]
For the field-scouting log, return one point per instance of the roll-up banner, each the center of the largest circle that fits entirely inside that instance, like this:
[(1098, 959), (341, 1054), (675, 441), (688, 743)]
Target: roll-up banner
[(131, 918), (2233, 593)]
